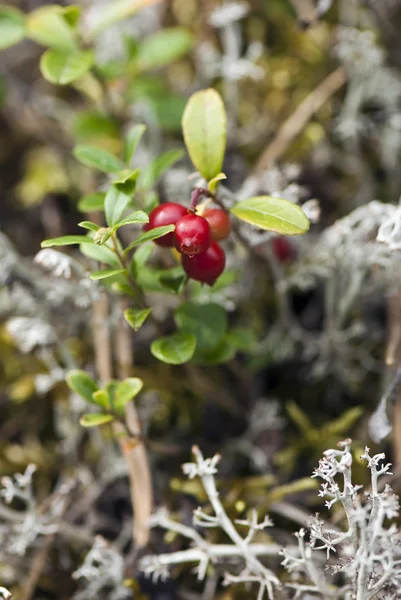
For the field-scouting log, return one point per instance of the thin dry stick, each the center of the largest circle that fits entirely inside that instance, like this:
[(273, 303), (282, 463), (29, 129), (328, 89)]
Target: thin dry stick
[(38, 565), (297, 121), (134, 451)]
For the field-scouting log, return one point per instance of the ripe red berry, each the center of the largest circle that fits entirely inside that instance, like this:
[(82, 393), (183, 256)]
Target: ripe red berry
[(192, 235), (165, 214), (205, 267), (219, 222), (283, 249)]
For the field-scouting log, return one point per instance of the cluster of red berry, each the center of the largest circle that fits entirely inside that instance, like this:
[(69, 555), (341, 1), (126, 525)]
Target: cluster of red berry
[(195, 237)]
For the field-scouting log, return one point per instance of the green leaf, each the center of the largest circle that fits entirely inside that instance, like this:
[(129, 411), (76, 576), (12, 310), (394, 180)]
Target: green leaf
[(140, 258), (71, 14), (126, 182), (66, 240), (213, 183), (174, 349), (174, 279), (103, 254), (131, 141), (148, 236), (138, 216), (204, 128), (273, 214), (136, 317), (156, 168), (163, 47), (115, 204), (222, 354), (243, 339), (95, 419), (61, 66), (91, 124), (126, 391), (101, 398), (12, 26), (92, 202), (208, 323), (88, 225), (113, 12), (97, 275), (48, 27), (82, 384), (97, 158)]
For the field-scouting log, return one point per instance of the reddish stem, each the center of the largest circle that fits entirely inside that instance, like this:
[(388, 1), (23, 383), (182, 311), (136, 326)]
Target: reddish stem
[(196, 194)]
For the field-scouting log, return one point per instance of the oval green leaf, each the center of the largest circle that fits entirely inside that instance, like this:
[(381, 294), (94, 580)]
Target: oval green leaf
[(126, 391), (92, 202), (12, 26), (61, 67), (97, 158), (66, 240), (132, 140), (151, 235), (48, 27), (114, 205), (82, 384), (204, 126), (136, 317), (94, 420), (273, 214), (163, 47), (175, 349), (207, 322), (98, 275)]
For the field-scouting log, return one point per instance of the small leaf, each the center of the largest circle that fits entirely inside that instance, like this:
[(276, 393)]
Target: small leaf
[(221, 354), (126, 182), (95, 419), (273, 214), (103, 254), (82, 384), (97, 158), (101, 398), (138, 216), (204, 128), (136, 317), (163, 47), (126, 391), (71, 14), (140, 258), (131, 141), (174, 279), (208, 322), (157, 167), (66, 240), (63, 66), (213, 183), (98, 275), (92, 202), (88, 225), (47, 26), (174, 349), (12, 26), (242, 338), (89, 125), (115, 204), (148, 236)]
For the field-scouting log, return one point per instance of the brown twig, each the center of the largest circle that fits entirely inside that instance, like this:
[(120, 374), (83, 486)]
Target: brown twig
[(38, 564)]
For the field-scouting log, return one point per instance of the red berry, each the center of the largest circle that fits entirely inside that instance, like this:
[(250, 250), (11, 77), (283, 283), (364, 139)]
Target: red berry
[(192, 234), (219, 222), (165, 214), (205, 267), (283, 249)]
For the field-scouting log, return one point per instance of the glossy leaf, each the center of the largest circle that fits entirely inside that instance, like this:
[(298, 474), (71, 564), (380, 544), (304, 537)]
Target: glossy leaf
[(92, 202), (126, 181), (163, 47), (208, 323), (273, 214), (157, 167), (12, 26), (138, 217), (126, 391), (82, 384), (47, 26), (101, 398), (219, 355), (115, 204), (66, 240), (98, 275), (102, 254), (61, 66), (132, 140), (204, 128), (136, 317), (88, 225), (175, 349), (95, 419), (214, 183), (97, 158), (148, 236)]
